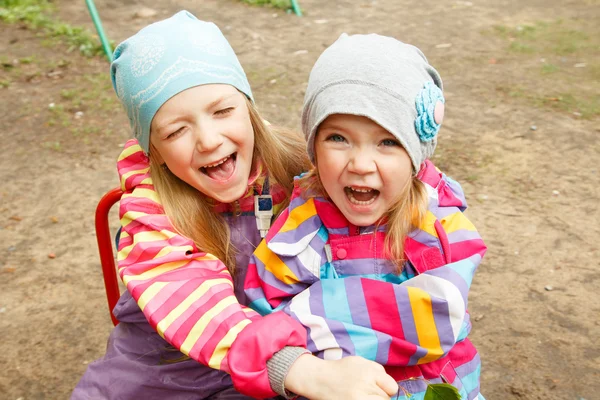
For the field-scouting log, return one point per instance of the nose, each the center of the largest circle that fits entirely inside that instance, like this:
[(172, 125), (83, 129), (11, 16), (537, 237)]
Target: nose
[(207, 140), (362, 161)]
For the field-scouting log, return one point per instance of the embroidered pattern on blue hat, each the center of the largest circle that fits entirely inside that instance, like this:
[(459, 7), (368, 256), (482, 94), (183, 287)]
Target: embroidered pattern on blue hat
[(425, 124), (148, 51), (210, 42)]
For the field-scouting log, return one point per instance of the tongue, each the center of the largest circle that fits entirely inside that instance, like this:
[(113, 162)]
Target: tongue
[(222, 171), (362, 196)]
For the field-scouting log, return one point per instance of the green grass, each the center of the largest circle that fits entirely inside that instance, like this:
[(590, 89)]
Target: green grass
[(37, 15), (282, 4), (556, 37), (567, 77), (586, 105)]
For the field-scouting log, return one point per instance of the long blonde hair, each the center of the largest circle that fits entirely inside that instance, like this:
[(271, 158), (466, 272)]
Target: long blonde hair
[(405, 215), (281, 151)]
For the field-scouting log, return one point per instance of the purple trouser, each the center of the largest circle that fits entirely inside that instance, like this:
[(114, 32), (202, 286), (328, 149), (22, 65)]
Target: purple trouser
[(139, 364)]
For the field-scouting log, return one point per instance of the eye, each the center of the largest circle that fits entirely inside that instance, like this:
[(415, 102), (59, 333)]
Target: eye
[(390, 143), (176, 133), (224, 111), (335, 137)]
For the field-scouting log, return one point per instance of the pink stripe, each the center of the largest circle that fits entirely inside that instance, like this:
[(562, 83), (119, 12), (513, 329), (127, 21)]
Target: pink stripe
[(466, 249), (177, 331), (252, 278), (359, 247), (155, 306), (446, 197), (217, 329), (277, 224)]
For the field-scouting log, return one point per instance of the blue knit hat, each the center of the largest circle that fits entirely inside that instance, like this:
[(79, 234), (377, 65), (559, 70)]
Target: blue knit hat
[(166, 58)]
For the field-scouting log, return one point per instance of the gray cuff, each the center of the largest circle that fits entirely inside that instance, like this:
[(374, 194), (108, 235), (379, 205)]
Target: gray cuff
[(278, 367)]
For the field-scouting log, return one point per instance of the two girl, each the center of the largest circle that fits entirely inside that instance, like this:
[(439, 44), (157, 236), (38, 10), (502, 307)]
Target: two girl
[(201, 181), (374, 255)]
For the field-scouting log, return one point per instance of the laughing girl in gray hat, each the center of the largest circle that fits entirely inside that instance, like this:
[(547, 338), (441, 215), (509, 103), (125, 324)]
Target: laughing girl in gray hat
[(374, 255)]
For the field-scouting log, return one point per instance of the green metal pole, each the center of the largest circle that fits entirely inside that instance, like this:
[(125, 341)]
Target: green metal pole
[(296, 8), (96, 18)]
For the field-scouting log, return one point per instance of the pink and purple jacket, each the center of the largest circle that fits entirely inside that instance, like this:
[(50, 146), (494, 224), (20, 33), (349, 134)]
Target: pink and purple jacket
[(187, 295), (333, 278)]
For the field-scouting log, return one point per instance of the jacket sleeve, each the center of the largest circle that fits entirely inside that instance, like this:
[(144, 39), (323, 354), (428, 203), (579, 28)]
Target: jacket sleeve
[(187, 295), (288, 260), (414, 322)]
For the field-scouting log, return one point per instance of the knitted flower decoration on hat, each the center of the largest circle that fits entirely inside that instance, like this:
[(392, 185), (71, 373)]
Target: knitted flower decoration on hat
[(425, 124)]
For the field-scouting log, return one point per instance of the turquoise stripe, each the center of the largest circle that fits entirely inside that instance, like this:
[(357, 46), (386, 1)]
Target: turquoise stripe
[(390, 278), (471, 381), (364, 341), (261, 306), (335, 304), (411, 396), (465, 268), (323, 234), (464, 331)]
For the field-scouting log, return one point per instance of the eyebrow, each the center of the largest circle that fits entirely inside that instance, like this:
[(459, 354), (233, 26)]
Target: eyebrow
[(220, 100), (212, 104)]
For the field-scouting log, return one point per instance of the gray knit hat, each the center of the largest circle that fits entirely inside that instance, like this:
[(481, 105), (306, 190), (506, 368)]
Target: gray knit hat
[(168, 57), (380, 78)]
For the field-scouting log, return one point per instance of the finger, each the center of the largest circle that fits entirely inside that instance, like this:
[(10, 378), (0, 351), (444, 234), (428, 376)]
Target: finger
[(379, 393), (387, 384)]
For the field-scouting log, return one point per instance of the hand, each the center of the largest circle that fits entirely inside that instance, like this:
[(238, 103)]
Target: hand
[(351, 378)]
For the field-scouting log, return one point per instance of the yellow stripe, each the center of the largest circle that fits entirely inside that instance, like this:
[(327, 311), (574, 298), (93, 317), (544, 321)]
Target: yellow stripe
[(420, 303), (299, 215), (274, 265), (150, 292), (169, 249), (159, 270), (225, 343), (126, 175), (131, 216), (129, 151), (124, 252), (164, 324), (427, 224), (457, 221), (147, 181), (203, 322), (143, 193)]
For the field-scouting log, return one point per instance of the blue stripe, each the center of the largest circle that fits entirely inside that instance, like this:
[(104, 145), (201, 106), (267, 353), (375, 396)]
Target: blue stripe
[(471, 381), (335, 304), (465, 268)]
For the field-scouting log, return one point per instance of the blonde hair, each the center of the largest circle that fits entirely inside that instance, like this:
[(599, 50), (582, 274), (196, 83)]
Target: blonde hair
[(283, 154), (405, 214)]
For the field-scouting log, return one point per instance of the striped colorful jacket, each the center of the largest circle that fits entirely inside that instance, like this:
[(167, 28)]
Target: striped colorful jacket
[(187, 295), (332, 277)]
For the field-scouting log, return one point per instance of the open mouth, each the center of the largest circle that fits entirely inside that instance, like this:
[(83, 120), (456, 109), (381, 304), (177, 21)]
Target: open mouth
[(361, 196), (222, 169)]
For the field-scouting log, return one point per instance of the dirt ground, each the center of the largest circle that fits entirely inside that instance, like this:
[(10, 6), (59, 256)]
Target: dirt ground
[(521, 134)]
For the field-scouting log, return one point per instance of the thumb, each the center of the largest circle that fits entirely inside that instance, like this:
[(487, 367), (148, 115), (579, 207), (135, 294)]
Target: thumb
[(387, 384)]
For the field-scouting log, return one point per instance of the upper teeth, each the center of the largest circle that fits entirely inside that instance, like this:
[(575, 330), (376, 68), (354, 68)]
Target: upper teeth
[(361, 190), (217, 163)]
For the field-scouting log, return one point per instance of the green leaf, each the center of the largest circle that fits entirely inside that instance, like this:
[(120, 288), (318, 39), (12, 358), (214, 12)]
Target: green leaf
[(441, 391)]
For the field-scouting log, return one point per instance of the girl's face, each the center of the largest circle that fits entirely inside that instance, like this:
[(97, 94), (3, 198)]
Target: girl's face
[(362, 167), (205, 137)]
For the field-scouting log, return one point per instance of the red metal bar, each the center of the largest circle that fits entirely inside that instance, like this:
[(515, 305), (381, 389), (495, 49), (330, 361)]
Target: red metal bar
[(107, 258)]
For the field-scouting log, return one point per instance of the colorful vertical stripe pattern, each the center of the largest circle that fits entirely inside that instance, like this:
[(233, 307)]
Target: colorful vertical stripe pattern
[(186, 294), (333, 278)]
